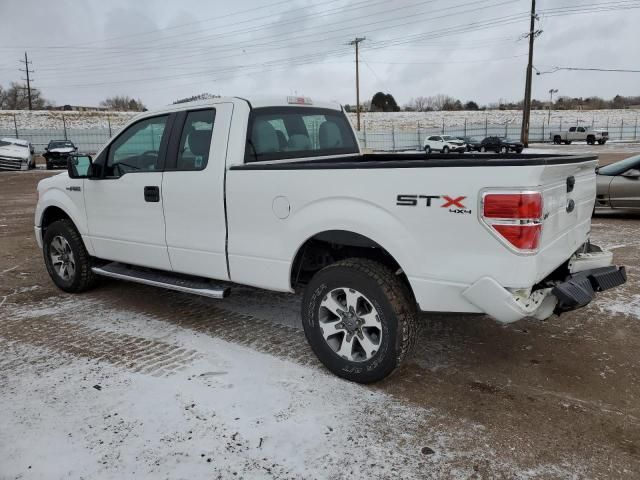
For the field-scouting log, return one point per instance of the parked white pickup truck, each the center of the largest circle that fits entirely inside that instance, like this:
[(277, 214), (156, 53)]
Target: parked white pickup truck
[(276, 194), (580, 134)]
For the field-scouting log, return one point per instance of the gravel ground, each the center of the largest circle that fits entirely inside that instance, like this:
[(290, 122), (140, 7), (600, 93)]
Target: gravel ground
[(130, 381)]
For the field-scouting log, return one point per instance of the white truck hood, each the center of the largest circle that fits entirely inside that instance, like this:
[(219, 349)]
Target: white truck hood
[(14, 151)]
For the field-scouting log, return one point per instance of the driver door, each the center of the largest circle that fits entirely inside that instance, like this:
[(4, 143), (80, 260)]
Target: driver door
[(124, 206)]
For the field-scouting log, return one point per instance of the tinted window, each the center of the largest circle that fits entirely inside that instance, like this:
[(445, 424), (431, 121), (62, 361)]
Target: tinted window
[(295, 132), (196, 140), (64, 144), (137, 149)]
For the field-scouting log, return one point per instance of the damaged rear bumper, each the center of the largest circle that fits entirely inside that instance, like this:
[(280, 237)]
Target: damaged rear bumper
[(571, 286), (580, 288)]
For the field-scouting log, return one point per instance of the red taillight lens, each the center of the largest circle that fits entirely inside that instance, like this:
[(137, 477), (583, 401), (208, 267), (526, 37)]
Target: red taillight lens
[(515, 217), (523, 237), (513, 205)]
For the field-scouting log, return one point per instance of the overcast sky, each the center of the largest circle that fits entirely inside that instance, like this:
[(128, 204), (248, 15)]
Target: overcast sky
[(85, 51)]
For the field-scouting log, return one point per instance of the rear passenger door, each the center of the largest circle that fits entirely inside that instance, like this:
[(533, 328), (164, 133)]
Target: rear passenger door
[(193, 192)]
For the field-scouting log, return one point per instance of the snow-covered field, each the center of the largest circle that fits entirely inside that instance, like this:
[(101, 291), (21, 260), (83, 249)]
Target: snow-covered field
[(374, 120), (411, 120)]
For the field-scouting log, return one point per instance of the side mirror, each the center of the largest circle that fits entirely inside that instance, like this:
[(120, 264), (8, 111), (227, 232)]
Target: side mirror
[(632, 173), (78, 166), (46, 149)]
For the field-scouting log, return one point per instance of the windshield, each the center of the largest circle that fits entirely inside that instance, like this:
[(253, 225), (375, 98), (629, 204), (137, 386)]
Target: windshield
[(621, 166), (448, 137), (64, 144)]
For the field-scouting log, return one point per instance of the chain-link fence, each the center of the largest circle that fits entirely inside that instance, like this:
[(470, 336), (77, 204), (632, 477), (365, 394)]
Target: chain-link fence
[(413, 139), (89, 140)]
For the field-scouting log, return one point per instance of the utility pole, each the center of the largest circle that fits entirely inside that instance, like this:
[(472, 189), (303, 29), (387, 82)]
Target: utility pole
[(526, 107), (27, 70), (356, 42)]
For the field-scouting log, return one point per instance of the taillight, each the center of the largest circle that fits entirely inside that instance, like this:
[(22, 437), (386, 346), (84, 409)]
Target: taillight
[(515, 217)]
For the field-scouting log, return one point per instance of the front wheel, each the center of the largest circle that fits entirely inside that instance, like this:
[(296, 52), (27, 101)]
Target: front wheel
[(359, 319), (483, 149), (445, 150), (503, 149), (66, 258), (427, 150)]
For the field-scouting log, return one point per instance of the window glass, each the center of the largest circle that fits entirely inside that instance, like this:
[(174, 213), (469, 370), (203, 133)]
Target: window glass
[(196, 140), (295, 132), (138, 148)]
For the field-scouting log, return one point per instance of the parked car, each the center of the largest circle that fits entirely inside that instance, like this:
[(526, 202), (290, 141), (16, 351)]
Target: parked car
[(276, 194), (618, 184), (500, 145), (15, 154), (444, 144), (580, 134), (472, 143), (57, 153)]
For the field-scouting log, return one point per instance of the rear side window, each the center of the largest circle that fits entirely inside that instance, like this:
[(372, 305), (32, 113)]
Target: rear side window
[(277, 133), (196, 140)]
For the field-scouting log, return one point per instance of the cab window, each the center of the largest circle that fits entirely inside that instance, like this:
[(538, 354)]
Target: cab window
[(193, 153), (277, 133), (138, 148)]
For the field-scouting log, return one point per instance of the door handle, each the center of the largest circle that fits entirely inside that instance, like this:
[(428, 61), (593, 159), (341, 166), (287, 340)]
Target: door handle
[(151, 194)]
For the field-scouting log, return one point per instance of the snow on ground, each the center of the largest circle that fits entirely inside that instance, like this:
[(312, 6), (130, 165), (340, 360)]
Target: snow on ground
[(410, 120), (373, 120), (227, 411)]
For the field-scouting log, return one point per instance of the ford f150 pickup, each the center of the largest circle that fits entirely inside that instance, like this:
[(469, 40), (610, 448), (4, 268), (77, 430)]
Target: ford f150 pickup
[(275, 193)]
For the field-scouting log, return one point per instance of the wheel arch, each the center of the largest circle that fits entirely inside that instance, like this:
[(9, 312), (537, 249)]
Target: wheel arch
[(329, 246)]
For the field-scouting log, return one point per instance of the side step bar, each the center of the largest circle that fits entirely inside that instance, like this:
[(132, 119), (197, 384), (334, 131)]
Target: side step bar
[(166, 280)]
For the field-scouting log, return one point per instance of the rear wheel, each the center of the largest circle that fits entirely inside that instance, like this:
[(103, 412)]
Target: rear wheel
[(504, 149), (427, 149), (591, 140), (66, 258), (359, 319), (557, 140), (483, 149), (567, 142)]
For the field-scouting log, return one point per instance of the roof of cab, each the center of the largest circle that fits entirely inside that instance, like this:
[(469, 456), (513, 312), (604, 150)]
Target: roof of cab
[(254, 101)]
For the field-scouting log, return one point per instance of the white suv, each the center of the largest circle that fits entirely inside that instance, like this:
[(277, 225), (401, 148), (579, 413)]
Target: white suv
[(444, 144)]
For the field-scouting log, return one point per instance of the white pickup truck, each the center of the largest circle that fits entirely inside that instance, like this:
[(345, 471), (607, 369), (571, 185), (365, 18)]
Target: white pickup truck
[(276, 194), (580, 134)]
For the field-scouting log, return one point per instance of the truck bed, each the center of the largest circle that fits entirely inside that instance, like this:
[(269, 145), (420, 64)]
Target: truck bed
[(418, 160)]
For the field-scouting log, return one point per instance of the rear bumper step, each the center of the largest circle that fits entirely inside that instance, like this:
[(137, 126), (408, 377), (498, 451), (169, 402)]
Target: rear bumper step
[(161, 279), (580, 288)]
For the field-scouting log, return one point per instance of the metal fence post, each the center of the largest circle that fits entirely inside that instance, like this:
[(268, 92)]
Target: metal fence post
[(109, 123), (621, 127), (593, 123), (442, 125), (364, 133), (419, 139), (15, 124), (635, 131), (64, 125), (560, 124), (607, 124), (506, 128), (543, 137), (393, 137), (486, 127), (465, 126)]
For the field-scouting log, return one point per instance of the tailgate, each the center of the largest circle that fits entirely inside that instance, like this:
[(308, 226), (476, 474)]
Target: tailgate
[(568, 192)]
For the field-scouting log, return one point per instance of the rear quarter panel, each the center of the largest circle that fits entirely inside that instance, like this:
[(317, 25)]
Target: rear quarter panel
[(442, 249)]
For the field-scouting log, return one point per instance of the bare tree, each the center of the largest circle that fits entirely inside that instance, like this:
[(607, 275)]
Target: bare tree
[(123, 103), (16, 98)]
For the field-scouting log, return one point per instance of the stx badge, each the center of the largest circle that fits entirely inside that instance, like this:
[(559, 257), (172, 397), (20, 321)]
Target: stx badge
[(453, 203)]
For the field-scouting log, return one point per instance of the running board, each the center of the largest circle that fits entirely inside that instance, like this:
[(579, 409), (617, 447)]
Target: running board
[(161, 279)]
